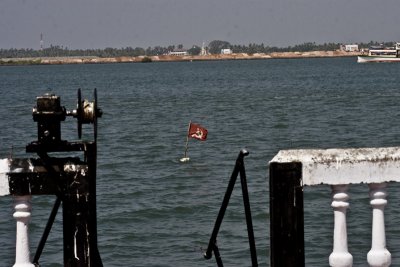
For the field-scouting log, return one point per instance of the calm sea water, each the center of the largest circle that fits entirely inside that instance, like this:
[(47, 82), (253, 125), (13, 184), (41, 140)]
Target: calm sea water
[(154, 210)]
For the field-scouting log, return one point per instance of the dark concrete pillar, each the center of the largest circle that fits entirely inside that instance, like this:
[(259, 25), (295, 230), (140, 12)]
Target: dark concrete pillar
[(286, 213)]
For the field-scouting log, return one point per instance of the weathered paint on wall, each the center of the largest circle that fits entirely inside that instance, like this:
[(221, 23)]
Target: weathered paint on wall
[(4, 169), (345, 166)]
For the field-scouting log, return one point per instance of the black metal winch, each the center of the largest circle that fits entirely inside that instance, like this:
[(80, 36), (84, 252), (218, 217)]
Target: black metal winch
[(71, 179)]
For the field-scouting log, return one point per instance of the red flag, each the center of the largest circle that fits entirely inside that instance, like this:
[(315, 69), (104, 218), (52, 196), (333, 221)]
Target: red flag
[(198, 132)]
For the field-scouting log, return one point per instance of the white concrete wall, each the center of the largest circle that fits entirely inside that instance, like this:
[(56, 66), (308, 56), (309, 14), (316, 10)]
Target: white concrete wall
[(4, 169), (345, 166)]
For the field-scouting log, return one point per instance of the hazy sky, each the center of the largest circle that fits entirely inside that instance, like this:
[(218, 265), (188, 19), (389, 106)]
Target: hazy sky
[(143, 23)]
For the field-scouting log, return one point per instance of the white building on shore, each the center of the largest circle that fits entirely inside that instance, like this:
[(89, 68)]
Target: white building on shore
[(349, 47), (178, 52), (226, 51)]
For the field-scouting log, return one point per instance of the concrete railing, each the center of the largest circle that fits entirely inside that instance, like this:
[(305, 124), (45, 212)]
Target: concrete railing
[(22, 215), (290, 170)]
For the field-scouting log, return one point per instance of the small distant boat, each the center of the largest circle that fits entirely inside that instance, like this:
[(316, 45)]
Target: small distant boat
[(381, 54)]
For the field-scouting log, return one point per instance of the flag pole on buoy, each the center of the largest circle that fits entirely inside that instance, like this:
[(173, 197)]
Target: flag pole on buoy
[(185, 158), (195, 131)]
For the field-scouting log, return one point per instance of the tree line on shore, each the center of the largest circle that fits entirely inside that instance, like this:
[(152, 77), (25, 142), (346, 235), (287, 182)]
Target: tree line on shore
[(213, 47)]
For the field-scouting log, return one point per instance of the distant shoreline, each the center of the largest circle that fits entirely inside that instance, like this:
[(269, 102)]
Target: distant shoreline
[(171, 58)]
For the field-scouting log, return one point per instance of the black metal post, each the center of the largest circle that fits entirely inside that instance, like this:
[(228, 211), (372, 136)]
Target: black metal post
[(212, 246), (225, 202), (286, 214), (249, 221), (79, 217), (91, 158), (217, 256)]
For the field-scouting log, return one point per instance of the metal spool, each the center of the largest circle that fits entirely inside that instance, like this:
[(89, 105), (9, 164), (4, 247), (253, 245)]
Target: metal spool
[(87, 113)]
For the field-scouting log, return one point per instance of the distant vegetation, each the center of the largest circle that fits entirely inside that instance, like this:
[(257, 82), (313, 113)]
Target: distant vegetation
[(146, 60), (214, 47)]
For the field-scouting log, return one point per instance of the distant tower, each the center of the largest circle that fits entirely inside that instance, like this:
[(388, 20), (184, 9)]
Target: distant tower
[(203, 51), (41, 41)]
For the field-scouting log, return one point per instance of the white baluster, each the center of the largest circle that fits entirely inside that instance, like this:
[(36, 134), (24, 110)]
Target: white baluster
[(22, 214), (340, 256), (378, 256)]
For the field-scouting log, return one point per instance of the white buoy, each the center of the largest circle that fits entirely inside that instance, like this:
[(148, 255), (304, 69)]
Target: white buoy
[(184, 159)]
